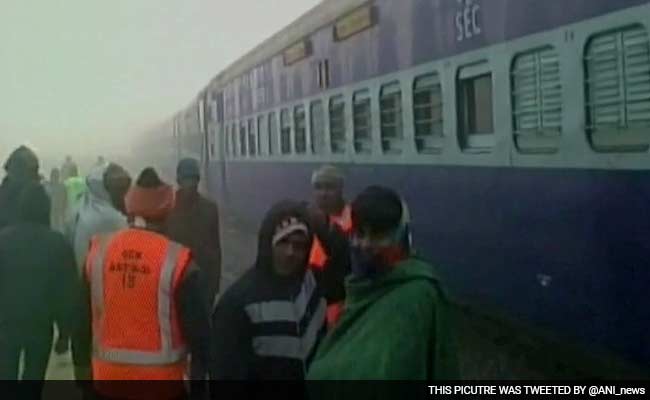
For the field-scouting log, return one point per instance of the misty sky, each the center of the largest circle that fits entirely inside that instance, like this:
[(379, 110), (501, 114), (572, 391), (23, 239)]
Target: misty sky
[(79, 76)]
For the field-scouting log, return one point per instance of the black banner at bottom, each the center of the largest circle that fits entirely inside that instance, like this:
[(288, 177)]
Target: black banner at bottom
[(330, 390)]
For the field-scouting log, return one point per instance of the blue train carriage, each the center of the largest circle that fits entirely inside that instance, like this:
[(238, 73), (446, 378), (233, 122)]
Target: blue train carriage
[(516, 129)]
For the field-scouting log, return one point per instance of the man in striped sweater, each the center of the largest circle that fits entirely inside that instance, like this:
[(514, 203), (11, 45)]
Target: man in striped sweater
[(267, 325)]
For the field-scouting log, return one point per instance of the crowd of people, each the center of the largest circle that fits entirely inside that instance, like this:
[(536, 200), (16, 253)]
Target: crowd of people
[(129, 272)]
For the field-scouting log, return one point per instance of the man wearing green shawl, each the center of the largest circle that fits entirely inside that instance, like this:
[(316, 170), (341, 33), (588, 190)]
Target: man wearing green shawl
[(395, 324)]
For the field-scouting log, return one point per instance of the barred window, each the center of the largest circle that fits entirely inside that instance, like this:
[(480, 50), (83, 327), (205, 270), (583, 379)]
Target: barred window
[(300, 129), (427, 114), (227, 141), (617, 67), (252, 138), (337, 125), (233, 142), (537, 101), (273, 134), (262, 135), (390, 105), (317, 125), (242, 139), (361, 112), (285, 132), (475, 108)]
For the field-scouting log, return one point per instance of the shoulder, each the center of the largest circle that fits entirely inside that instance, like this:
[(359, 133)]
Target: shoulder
[(242, 292)]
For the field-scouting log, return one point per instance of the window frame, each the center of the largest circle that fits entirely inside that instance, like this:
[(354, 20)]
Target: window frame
[(362, 98), (299, 110), (394, 145), (435, 140), (338, 101), (474, 142)]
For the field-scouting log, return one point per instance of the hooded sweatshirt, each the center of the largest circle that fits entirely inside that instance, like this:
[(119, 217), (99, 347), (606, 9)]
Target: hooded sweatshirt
[(266, 327), (38, 283), (22, 169), (395, 327), (96, 215)]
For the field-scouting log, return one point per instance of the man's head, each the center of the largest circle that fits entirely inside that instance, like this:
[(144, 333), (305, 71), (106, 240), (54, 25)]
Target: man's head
[(117, 183), (34, 205), (381, 236), (285, 240), (188, 175), (23, 164), (327, 183), (68, 159), (150, 199)]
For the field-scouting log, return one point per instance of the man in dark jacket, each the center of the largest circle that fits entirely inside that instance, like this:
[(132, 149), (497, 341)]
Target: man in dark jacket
[(38, 287), (22, 169), (266, 326), (194, 222)]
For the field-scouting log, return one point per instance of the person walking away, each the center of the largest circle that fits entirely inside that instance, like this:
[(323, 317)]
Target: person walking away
[(194, 223), (75, 187), (396, 324), (68, 168), (39, 287), (330, 253), (146, 301), (58, 197), (100, 212), (267, 325), (21, 170)]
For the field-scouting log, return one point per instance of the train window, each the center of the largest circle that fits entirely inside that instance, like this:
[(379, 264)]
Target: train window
[(300, 129), (227, 141), (537, 101), (233, 141), (273, 134), (337, 125), (252, 138), (317, 125), (285, 132), (362, 122), (242, 139), (390, 105), (476, 124), (427, 114), (262, 135), (617, 69)]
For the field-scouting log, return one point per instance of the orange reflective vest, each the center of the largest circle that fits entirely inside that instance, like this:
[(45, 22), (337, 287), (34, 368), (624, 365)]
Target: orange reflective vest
[(318, 258), (134, 276)]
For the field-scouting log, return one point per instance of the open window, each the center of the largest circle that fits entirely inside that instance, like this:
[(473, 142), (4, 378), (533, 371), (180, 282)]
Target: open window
[(475, 108)]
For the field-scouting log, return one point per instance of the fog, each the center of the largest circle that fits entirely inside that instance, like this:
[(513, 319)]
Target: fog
[(82, 77)]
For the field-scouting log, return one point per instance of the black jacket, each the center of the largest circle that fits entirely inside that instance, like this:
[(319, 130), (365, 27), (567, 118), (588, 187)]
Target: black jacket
[(38, 274), (38, 280), (194, 223), (267, 327)]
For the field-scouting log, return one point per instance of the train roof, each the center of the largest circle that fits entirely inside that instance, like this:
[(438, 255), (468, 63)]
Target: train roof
[(323, 14)]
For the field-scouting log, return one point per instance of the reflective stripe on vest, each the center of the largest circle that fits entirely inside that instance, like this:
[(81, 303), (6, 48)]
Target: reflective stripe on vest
[(167, 354)]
